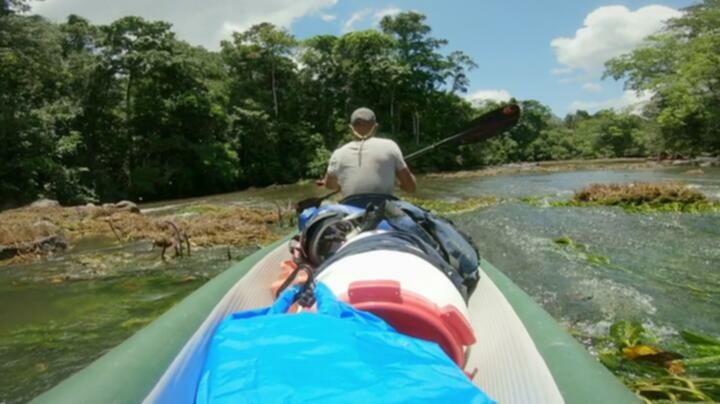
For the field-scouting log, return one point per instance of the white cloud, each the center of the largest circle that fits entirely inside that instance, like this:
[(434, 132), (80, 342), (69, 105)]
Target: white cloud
[(608, 32), (328, 17), (629, 100), (355, 18), (482, 96), (391, 11), (561, 71), (367, 14), (198, 23), (592, 87)]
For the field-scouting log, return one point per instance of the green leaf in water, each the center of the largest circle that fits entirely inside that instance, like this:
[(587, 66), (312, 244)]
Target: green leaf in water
[(707, 350), (626, 333), (697, 338), (597, 259), (563, 240), (706, 361), (610, 360)]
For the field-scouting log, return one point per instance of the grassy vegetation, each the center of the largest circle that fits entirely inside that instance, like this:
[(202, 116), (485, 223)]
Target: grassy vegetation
[(643, 197)]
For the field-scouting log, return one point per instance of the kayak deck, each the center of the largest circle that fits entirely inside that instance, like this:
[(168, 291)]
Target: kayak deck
[(509, 367), (522, 355)]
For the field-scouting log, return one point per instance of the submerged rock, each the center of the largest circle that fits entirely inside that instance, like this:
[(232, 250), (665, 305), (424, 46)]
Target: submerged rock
[(45, 203), (127, 206), (49, 244), (45, 226), (54, 243)]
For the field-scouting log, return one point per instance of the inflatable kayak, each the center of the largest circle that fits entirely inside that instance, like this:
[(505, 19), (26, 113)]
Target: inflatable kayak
[(505, 343)]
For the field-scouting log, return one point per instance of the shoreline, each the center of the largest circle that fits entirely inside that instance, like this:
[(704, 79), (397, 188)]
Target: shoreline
[(551, 166), (44, 228)]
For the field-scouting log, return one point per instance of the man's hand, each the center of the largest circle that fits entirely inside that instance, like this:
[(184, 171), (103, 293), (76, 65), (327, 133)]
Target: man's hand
[(330, 182), (406, 179)]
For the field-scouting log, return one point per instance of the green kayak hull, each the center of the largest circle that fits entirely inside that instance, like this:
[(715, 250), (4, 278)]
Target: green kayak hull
[(130, 371)]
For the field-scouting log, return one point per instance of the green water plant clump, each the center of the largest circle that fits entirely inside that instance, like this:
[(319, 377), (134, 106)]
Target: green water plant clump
[(583, 250), (643, 197), (687, 373), (445, 207), (535, 201)]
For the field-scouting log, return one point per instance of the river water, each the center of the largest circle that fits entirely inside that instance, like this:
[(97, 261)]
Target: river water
[(662, 269)]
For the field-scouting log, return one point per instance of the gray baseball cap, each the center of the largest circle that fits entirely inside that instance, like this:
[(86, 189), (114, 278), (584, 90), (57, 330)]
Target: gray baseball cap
[(362, 114)]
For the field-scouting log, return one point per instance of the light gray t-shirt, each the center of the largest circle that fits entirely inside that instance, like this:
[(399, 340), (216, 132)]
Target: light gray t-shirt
[(367, 166)]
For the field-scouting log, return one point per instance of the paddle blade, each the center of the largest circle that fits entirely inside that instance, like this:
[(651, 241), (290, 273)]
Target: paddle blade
[(490, 124), (313, 202)]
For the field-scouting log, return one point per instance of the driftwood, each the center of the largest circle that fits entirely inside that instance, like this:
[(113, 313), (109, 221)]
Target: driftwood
[(49, 244), (164, 244), (179, 240), (112, 227), (288, 210)]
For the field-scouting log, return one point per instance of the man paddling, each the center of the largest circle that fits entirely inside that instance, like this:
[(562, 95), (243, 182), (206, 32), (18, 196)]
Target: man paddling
[(366, 168)]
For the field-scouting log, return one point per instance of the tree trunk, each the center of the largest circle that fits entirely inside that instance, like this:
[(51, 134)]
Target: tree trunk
[(128, 115), (416, 126), (274, 91), (392, 111)]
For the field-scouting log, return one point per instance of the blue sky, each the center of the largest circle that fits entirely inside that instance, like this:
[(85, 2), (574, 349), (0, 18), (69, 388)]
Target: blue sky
[(516, 43), (509, 40)]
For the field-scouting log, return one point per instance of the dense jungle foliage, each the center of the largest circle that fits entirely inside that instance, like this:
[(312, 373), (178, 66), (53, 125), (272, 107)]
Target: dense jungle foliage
[(128, 111)]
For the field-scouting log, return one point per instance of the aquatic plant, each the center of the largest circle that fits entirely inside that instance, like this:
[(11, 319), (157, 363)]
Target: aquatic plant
[(535, 201), (445, 207), (638, 192), (38, 355), (547, 167), (687, 373), (640, 197), (583, 250)]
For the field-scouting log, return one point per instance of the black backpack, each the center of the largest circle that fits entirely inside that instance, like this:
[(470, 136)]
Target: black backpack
[(453, 245)]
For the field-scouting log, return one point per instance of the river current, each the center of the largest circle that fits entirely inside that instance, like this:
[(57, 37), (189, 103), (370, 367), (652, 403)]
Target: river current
[(661, 269)]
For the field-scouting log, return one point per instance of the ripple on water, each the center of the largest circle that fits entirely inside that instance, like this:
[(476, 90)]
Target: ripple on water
[(665, 267), (647, 262), (614, 300)]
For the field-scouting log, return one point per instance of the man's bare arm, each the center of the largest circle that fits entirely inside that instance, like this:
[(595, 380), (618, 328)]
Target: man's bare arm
[(330, 182), (406, 179)]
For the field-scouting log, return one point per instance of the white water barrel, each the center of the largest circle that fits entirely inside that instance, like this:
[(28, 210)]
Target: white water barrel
[(408, 292)]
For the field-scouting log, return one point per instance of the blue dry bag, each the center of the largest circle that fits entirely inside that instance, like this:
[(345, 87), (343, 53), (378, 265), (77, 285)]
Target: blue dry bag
[(337, 355)]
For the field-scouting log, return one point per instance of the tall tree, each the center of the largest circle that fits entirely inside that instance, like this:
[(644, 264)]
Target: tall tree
[(30, 104), (681, 67), (274, 142), (420, 69), (322, 82), (262, 66), (127, 110), (8, 7)]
